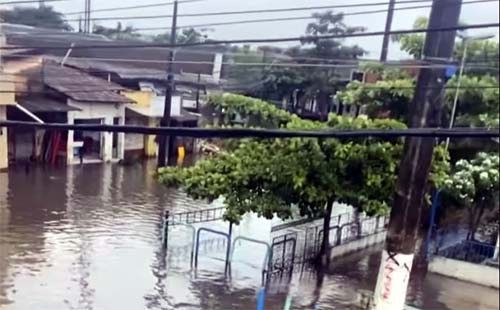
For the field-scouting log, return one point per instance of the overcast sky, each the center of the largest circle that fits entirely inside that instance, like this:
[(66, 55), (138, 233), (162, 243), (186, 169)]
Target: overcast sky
[(487, 12)]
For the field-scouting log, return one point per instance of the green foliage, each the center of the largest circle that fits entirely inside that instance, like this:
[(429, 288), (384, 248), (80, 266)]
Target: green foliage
[(277, 82), (474, 185), (247, 111), (187, 35), (413, 44), (474, 180), (44, 17), (127, 33), (483, 52), (385, 98), (478, 97), (269, 176), (478, 101)]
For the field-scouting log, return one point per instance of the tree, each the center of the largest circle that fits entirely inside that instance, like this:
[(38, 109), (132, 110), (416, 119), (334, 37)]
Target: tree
[(189, 35), (268, 177), (388, 97), (127, 33), (482, 55), (44, 17), (473, 184), (317, 82), (478, 100)]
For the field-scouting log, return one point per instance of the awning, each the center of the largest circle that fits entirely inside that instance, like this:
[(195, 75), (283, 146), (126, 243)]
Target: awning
[(41, 104)]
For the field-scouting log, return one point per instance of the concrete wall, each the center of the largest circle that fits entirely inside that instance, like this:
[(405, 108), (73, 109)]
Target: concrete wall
[(4, 160), (358, 244), (465, 271), (7, 97), (150, 145), (106, 112)]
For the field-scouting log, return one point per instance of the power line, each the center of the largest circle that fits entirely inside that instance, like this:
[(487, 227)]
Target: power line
[(340, 63), (28, 1), (132, 7), (251, 21), (272, 40), (247, 11), (121, 89), (266, 133), (277, 10)]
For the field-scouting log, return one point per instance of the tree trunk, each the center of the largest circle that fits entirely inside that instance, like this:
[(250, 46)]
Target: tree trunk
[(325, 245), (471, 221), (477, 220)]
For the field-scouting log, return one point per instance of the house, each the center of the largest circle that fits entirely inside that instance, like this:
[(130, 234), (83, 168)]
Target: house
[(98, 102), (54, 93), (145, 81), (198, 72), (6, 99)]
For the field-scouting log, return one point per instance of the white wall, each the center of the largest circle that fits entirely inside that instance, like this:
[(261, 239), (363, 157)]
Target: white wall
[(158, 105), (4, 162), (135, 141), (465, 271), (104, 111)]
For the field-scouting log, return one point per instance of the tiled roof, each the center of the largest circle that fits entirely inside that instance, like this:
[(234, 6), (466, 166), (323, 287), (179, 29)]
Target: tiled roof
[(43, 104), (80, 86)]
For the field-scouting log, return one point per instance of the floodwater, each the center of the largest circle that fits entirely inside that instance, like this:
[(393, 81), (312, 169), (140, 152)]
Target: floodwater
[(90, 237)]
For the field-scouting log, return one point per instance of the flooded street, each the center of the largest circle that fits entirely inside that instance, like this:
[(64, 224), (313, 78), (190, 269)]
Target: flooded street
[(91, 238)]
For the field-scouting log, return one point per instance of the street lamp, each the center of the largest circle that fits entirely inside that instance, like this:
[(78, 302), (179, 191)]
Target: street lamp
[(465, 41)]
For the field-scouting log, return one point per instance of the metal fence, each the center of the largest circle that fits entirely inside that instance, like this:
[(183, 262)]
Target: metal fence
[(196, 216), (469, 251), (307, 239)]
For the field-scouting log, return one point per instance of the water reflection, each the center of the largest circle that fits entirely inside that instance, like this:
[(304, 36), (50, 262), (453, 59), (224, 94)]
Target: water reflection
[(90, 238)]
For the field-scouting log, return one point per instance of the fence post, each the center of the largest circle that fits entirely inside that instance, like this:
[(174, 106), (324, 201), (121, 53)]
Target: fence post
[(228, 248), (432, 224), (495, 256), (165, 232), (261, 298), (339, 235)]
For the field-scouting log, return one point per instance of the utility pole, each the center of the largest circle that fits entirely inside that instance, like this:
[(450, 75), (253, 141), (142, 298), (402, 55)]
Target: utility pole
[(425, 111), (387, 36), (86, 17), (164, 141)]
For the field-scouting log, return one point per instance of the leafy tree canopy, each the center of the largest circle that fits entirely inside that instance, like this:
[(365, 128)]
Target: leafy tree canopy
[(474, 184), (44, 17), (277, 81), (189, 35), (127, 33), (482, 52), (269, 176), (478, 98)]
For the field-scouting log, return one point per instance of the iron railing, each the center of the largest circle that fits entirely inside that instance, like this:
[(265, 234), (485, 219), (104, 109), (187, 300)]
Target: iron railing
[(469, 251), (195, 216)]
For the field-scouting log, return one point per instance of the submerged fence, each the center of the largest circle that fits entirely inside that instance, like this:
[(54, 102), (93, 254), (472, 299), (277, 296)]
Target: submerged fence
[(293, 244)]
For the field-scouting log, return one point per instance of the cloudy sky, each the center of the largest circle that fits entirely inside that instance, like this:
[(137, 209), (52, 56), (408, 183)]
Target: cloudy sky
[(485, 12)]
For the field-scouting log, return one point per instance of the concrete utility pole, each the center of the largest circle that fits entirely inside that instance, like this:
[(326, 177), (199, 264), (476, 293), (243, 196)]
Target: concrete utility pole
[(164, 141), (387, 36), (86, 17), (397, 257)]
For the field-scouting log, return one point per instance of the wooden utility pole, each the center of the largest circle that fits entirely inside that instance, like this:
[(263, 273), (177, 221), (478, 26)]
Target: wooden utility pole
[(425, 111), (388, 25), (164, 141)]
